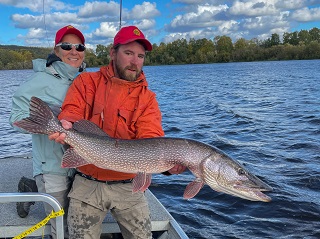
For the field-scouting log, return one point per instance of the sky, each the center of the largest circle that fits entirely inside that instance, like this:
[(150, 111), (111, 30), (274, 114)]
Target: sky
[(35, 22)]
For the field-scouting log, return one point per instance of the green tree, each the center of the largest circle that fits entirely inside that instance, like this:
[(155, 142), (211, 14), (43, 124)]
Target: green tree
[(102, 53), (240, 44), (158, 55), (315, 34), (241, 50), (312, 50), (91, 58), (291, 38), (178, 51), (304, 37), (206, 50), (224, 48), (275, 39)]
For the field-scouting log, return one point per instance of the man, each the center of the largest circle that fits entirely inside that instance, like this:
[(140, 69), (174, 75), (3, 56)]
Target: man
[(118, 100), (50, 82)]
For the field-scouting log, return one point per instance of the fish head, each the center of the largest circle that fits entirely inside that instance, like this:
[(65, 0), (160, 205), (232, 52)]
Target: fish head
[(224, 174)]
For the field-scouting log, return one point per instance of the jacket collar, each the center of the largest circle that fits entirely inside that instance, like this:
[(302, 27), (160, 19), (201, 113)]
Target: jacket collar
[(58, 69), (52, 58), (64, 70)]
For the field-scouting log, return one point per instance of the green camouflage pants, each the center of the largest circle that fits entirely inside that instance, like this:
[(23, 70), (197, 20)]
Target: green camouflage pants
[(91, 200)]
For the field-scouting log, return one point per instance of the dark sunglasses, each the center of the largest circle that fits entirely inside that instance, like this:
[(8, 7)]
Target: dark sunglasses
[(68, 46)]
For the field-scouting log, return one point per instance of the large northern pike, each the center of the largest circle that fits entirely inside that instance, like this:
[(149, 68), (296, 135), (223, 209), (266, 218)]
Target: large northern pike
[(90, 145)]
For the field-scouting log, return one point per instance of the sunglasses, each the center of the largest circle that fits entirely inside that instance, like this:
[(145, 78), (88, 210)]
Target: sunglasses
[(68, 46)]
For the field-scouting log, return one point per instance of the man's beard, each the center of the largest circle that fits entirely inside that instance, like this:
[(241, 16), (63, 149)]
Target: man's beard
[(125, 75)]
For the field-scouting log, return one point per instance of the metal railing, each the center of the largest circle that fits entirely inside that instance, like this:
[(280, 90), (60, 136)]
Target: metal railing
[(36, 197)]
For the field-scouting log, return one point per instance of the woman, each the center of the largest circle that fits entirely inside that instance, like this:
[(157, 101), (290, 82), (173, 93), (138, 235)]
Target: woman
[(50, 82)]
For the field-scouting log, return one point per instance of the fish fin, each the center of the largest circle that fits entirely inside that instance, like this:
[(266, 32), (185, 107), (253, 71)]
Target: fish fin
[(39, 117), (72, 160), (141, 182), (56, 109), (192, 189), (88, 127)]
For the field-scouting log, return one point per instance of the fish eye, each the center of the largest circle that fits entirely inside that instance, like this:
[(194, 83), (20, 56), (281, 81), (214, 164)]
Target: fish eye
[(241, 171)]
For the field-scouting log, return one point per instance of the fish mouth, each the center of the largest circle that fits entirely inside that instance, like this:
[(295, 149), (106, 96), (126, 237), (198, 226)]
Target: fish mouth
[(262, 196), (252, 193), (248, 187), (255, 183), (246, 190), (252, 189)]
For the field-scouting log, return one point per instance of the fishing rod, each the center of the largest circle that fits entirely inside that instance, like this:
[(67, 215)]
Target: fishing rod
[(44, 22), (120, 14)]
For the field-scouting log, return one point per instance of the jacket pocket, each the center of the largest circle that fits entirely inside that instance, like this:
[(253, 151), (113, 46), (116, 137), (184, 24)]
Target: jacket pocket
[(126, 115), (126, 126), (97, 114), (130, 111)]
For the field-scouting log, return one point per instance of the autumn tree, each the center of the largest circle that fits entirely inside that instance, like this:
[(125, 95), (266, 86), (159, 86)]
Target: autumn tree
[(224, 48)]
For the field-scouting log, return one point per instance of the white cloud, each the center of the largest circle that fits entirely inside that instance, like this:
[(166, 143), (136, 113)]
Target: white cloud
[(187, 35), (106, 30), (99, 9), (306, 15), (188, 1), (228, 27), (263, 27), (189, 18), (292, 4), (145, 24), (204, 16), (50, 21), (254, 8), (144, 11), (35, 37), (27, 21), (39, 5), (248, 19), (44, 28)]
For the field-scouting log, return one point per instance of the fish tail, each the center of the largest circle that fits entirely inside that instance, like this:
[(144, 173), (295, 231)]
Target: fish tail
[(41, 119)]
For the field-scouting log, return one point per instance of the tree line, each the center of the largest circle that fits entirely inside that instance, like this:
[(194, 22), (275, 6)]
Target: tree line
[(298, 45)]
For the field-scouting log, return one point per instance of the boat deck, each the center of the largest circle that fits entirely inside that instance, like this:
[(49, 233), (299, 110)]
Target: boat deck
[(11, 225)]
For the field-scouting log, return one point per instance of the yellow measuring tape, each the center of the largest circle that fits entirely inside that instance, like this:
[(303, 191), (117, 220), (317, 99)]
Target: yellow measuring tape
[(40, 224)]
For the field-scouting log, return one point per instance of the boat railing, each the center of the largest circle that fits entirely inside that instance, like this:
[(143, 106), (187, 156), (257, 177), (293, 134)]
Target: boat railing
[(36, 197)]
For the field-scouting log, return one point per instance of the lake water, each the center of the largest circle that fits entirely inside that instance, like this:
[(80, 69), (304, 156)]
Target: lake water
[(266, 115)]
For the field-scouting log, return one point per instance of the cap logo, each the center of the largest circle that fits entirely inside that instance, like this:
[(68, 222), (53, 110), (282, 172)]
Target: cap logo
[(69, 27), (136, 32)]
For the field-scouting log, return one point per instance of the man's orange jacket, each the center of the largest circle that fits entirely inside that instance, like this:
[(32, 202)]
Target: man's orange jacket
[(123, 109)]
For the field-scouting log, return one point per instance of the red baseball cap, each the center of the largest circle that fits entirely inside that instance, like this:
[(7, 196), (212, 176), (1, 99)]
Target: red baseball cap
[(68, 30), (130, 34)]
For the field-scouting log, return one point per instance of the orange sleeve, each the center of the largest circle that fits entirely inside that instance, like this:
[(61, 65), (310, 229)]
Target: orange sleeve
[(149, 123), (75, 103)]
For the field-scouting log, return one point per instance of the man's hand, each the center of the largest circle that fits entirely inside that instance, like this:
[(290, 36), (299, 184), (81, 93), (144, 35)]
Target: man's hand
[(59, 138), (177, 169)]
